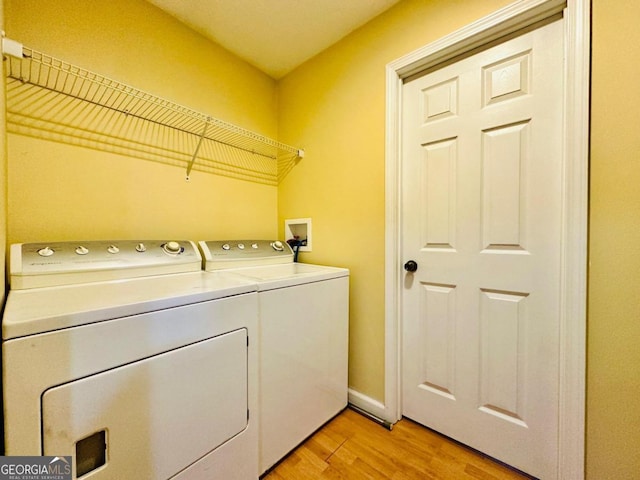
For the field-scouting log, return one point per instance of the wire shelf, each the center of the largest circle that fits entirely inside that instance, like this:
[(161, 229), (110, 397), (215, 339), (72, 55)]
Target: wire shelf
[(49, 98)]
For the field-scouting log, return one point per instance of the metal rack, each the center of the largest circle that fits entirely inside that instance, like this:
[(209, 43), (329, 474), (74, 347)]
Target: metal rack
[(49, 98)]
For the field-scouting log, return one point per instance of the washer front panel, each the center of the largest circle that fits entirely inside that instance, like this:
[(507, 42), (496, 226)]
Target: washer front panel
[(304, 345)]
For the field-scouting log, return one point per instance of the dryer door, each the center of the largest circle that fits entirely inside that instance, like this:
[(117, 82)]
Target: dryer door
[(152, 418)]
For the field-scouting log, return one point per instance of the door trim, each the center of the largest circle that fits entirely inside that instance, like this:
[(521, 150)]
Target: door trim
[(508, 20)]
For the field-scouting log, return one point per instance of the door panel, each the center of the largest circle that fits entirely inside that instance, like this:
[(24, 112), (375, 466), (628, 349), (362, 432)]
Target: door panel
[(481, 211)]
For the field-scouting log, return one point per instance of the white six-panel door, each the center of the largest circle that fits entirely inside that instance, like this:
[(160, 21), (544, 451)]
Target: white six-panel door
[(481, 201)]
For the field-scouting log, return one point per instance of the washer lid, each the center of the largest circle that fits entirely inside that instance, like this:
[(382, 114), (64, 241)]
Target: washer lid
[(39, 310), (270, 277)]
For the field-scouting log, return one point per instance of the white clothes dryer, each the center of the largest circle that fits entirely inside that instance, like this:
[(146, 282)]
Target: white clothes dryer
[(130, 358), (303, 336)]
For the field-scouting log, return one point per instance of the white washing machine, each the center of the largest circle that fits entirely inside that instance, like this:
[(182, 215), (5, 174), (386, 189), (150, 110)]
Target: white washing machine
[(130, 358), (303, 331)]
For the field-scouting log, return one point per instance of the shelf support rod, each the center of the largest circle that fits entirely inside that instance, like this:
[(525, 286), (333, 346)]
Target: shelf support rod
[(195, 154)]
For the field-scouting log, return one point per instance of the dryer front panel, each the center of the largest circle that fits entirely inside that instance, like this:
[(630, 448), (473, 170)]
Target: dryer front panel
[(152, 418)]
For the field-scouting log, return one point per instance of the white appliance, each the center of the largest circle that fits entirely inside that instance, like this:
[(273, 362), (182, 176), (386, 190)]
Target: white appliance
[(304, 329), (130, 358)]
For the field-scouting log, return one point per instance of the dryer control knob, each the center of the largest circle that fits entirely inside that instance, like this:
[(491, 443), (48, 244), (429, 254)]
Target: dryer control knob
[(45, 252), (277, 245), (226, 246), (254, 245), (113, 249), (141, 248), (172, 248), (82, 250)]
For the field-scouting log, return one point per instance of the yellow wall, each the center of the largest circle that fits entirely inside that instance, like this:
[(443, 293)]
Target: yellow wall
[(334, 106), (60, 192), (3, 172), (613, 403)]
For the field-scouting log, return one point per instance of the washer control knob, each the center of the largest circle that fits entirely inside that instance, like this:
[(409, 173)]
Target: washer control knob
[(82, 250), (254, 246), (113, 249), (241, 246), (45, 252), (277, 245), (226, 246), (141, 248), (172, 248)]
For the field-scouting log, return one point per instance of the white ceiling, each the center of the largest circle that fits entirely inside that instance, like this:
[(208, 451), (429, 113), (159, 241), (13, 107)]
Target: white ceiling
[(274, 35)]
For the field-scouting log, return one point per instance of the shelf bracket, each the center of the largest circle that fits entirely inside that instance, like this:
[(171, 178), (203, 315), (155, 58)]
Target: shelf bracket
[(195, 154), (11, 47)]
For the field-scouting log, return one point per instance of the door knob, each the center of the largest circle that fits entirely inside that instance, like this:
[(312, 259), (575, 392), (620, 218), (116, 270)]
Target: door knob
[(411, 266)]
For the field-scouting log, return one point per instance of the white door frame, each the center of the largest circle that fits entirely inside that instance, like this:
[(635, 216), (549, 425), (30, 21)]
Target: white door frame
[(505, 21)]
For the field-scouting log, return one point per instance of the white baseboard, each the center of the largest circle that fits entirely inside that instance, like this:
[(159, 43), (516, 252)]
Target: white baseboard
[(368, 404)]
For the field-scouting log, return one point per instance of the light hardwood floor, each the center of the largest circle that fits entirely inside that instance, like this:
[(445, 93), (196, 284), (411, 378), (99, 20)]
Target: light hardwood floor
[(353, 447)]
